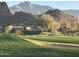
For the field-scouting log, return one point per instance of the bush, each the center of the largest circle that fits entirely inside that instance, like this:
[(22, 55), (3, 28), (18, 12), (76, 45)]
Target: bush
[(44, 34), (57, 34), (18, 32)]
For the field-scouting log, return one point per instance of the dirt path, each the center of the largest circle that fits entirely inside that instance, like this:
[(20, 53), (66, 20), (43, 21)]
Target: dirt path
[(52, 44)]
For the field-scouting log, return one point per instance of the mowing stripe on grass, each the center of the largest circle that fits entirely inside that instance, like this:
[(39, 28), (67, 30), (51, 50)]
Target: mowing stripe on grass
[(52, 44)]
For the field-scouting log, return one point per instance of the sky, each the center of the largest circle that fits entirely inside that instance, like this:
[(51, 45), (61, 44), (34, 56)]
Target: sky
[(63, 5)]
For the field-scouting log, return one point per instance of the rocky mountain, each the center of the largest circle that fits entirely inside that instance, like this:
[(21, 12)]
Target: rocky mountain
[(70, 22), (29, 7), (36, 9), (4, 13), (73, 12), (4, 10), (60, 15), (21, 18)]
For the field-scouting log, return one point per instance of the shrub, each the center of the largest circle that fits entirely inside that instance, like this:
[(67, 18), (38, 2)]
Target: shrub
[(18, 32), (44, 34)]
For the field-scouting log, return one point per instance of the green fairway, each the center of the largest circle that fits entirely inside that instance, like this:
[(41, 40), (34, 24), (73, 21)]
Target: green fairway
[(59, 39), (11, 45)]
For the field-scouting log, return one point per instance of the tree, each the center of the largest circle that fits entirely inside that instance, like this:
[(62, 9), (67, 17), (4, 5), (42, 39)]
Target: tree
[(8, 28), (49, 23)]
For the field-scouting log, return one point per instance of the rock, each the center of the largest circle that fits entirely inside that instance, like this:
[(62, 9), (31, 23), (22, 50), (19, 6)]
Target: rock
[(4, 10)]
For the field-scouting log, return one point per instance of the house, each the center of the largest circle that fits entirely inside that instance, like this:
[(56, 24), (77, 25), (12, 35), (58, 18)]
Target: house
[(27, 28), (32, 30)]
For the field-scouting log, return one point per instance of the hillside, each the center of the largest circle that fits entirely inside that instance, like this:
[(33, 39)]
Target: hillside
[(28, 7), (73, 12), (4, 10), (37, 9), (4, 13), (17, 19), (23, 18)]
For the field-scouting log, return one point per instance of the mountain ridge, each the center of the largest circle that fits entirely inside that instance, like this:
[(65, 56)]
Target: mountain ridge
[(37, 9), (29, 7)]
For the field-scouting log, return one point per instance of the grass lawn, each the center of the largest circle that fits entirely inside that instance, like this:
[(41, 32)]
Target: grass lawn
[(59, 39), (10, 45)]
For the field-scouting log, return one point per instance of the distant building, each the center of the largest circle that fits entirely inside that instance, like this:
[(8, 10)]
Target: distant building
[(28, 28), (2, 29), (25, 29)]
